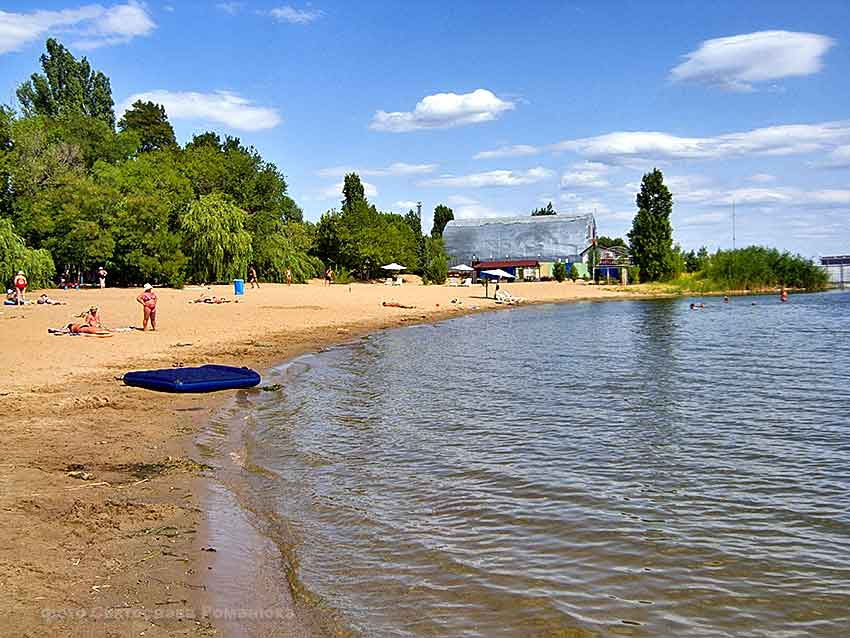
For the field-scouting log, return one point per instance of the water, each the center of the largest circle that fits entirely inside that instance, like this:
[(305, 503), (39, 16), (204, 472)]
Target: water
[(596, 469)]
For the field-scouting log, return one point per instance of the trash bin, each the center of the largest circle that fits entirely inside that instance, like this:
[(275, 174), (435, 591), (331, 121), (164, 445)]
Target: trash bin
[(238, 286)]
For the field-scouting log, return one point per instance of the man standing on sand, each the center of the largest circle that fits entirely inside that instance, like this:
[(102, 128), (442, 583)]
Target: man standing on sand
[(252, 277), (288, 276), (148, 300), (329, 275), (101, 276), (20, 287)]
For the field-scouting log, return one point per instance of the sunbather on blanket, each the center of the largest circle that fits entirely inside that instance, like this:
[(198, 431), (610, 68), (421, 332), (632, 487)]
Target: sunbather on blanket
[(83, 328), (47, 301)]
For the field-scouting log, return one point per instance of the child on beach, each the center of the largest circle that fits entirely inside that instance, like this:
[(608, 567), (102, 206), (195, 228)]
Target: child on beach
[(252, 277)]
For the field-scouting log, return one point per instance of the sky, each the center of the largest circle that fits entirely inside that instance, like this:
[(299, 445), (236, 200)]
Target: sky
[(496, 108)]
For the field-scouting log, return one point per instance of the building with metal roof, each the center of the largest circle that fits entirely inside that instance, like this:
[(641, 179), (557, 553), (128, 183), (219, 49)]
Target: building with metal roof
[(546, 239)]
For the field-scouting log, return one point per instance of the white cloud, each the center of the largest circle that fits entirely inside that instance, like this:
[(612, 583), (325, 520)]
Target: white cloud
[(624, 147), (335, 191), (762, 178), (117, 25), (229, 7), (838, 158), (736, 62), (468, 208), (443, 110), (292, 15), (406, 205), (578, 205), (586, 175), (93, 24), (220, 106), (394, 170), (492, 178), (518, 150)]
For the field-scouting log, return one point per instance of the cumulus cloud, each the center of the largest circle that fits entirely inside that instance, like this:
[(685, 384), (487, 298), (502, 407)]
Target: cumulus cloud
[(762, 178), (92, 25), (443, 110), (739, 61), (492, 178), (220, 106), (518, 150), (393, 170), (586, 175), (292, 15)]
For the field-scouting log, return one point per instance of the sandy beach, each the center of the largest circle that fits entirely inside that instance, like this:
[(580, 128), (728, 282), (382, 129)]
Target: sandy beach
[(102, 528)]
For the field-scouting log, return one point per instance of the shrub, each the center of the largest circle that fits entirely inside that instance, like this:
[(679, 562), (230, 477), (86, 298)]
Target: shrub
[(559, 272), (574, 273)]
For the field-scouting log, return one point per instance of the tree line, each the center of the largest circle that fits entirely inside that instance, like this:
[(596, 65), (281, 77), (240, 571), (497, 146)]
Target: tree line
[(80, 189)]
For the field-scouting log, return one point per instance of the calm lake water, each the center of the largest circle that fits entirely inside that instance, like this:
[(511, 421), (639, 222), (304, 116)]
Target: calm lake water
[(593, 469)]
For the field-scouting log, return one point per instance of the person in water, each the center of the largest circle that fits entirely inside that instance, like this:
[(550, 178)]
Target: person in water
[(783, 296), (148, 300), (725, 299)]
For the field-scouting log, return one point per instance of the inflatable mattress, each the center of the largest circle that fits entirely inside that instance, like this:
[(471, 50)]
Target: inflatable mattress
[(207, 378)]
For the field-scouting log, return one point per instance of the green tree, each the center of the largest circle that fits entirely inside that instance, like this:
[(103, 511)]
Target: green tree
[(67, 86), (15, 256), (611, 242), (542, 212), (574, 274), (435, 267), (413, 220), (353, 192), (150, 124), (215, 239), (651, 236), (442, 216), (559, 271)]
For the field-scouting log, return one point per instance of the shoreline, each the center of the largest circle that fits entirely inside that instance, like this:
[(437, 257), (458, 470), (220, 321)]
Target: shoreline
[(126, 531)]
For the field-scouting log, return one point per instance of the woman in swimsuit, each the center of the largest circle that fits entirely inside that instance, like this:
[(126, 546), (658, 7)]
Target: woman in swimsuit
[(148, 300), (93, 318), (82, 328)]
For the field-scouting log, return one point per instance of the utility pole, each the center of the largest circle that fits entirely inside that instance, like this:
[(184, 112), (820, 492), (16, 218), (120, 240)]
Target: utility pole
[(733, 224)]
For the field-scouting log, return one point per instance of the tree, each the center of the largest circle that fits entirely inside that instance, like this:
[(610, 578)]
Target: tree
[(151, 125), (215, 239), (610, 242), (574, 274), (559, 271), (542, 212), (353, 192), (413, 220), (435, 266), (15, 256), (442, 216), (67, 86), (651, 236)]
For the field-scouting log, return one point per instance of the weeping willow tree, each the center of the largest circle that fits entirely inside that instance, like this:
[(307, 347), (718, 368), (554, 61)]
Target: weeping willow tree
[(216, 241), (14, 256), (278, 246)]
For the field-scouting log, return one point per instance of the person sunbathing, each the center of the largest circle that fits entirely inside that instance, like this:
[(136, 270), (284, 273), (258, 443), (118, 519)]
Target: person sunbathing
[(93, 318), (47, 301), (82, 328), (203, 298)]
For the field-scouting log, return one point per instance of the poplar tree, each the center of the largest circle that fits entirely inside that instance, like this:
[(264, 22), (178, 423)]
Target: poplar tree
[(651, 236)]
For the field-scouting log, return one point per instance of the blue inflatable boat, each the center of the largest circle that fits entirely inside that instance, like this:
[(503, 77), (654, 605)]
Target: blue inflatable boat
[(207, 378)]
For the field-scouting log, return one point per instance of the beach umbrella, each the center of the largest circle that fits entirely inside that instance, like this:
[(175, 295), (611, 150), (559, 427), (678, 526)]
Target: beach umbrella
[(462, 268), (498, 273), (393, 266)]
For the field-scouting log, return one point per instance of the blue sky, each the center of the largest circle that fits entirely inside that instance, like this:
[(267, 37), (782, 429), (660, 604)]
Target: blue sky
[(496, 108)]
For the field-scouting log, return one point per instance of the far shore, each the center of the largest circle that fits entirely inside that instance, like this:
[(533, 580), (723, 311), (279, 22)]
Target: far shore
[(101, 489)]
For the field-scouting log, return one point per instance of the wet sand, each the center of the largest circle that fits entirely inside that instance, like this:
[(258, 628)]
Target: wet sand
[(104, 498)]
